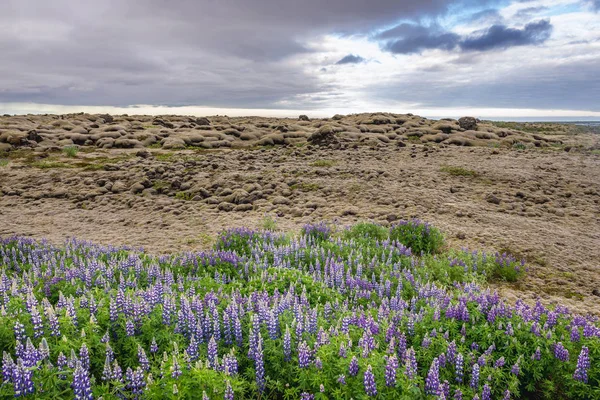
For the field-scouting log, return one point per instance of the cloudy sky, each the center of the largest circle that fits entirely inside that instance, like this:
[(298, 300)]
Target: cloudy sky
[(279, 57)]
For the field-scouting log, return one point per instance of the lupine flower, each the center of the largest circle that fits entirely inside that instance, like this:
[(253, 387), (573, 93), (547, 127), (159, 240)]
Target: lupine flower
[(287, 344), (583, 364), (432, 382), (411, 363), (228, 391), (560, 352), (81, 383), (84, 357), (475, 377), (458, 366), (369, 381), (175, 369), (487, 392), (458, 394), (153, 346), (341, 379), (390, 371), (515, 369), (135, 382), (143, 359), (506, 395), (306, 396), (537, 356), (353, 368), (212, 352), (259, 366), (304, 355)]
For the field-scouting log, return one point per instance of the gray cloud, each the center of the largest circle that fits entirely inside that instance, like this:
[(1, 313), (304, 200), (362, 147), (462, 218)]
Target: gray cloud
[(351, 59), (501, 37), (545, 86), (410, 38), (226, 52)]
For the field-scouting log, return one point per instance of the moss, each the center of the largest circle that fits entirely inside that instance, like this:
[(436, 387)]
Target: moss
[(324, 163), (458, 171)]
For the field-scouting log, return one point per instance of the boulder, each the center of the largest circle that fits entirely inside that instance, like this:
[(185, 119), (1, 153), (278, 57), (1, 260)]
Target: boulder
[(468, 123), (303, 118), (202, 121), (323, 136), (173, 143)]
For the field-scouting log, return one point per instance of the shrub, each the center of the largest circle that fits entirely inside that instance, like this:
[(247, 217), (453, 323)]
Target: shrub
[(70, 151), (419, 236), (458, 171), (367, 230)]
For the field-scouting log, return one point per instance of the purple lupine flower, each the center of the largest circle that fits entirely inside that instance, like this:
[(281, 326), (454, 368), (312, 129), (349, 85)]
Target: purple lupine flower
[(475, 377), (237, 330), (259, 365), (506, 395), (212, 352), (129, 328), (487, 392), (390, 371), (432, 382), (287, 344), (445, 388), (307, 396), (117, 372), (8, 366), (515, 369), (343, 353), (107, 370), (304, 355), (318, 363), (537, 356), (583, 364), (175, 369), (228, 391), (353, 368), (81, 383), (36, 320), (458, 394), (84, 357), (459, 367), (575, 335), (153, 346), (369, 382), (19, 330), (560, 352), (22, 379), (135, 382), (341, 379), (411, 363), (230, 364), (500, 362), (143, 359)]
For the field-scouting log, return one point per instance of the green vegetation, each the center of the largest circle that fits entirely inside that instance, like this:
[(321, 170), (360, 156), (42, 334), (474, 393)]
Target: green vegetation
[(458, 171), (70, 151)]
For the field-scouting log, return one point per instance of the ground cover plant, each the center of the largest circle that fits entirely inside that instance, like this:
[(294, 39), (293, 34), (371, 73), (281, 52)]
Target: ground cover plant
[(330, 313)]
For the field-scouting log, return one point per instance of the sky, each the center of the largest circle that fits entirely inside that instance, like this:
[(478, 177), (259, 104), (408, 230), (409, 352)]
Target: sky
[(438, 58)]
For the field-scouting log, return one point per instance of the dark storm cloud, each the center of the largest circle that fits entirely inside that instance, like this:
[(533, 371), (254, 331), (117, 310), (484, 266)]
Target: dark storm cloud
[(501, 37), (351, 59), (219, 53), (410, 38)]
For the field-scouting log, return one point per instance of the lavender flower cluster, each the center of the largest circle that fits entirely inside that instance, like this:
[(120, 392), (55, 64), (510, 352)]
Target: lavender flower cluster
[(273, 316)]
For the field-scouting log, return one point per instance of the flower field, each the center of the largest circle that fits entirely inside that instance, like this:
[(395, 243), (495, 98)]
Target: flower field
[(331, 313)]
